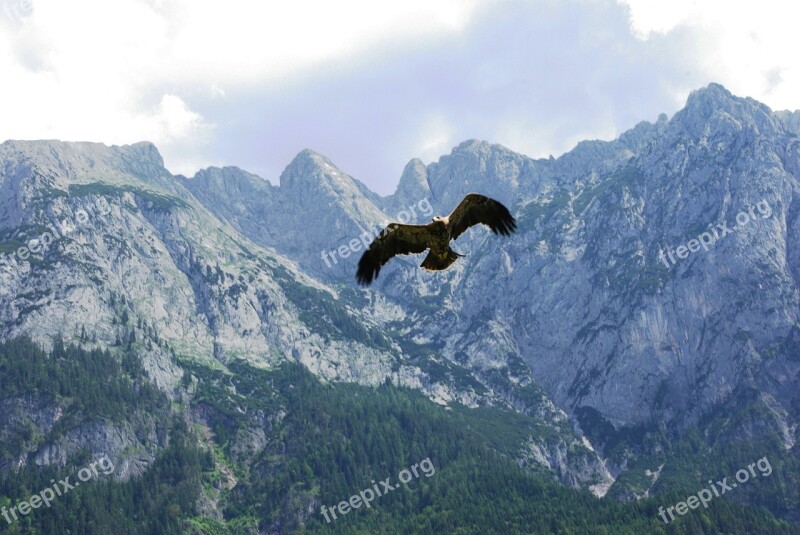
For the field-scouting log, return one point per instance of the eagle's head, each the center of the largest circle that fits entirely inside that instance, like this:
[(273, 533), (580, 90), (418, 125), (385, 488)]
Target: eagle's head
[(440, 219)]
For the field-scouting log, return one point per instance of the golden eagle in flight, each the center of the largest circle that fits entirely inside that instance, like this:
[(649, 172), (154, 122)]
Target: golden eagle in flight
[(398, 239)]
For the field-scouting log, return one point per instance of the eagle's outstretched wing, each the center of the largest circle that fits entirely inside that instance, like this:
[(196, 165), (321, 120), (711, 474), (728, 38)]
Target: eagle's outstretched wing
[(474, 209), (395, 239)]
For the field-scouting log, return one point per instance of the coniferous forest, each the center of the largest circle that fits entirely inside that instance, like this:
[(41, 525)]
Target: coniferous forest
[(322, 444)]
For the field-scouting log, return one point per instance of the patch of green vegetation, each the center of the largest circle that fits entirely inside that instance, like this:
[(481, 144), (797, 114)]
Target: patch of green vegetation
[(544, 210), (635, 479), (10, 246), (615, 183), (334, 440), (326, 442), (156, 201), (93, 382), (438, 368), (49, 193), (91, 388), (503, 429), (325, 316), (718, 446)]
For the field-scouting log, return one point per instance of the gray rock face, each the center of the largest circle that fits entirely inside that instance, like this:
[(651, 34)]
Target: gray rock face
[(600, 319), (131, 444), (592, 309), (580, 308), (411, 190), (106, 242), (791, 119)]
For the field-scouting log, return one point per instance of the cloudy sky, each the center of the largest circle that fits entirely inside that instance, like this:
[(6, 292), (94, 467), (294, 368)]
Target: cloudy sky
[(372, 84)]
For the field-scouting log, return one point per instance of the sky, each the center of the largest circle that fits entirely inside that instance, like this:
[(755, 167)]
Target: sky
[(373, 84)]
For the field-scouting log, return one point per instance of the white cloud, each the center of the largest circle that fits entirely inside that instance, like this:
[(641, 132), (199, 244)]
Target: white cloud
[(373, 84), (751, 48), (435, 137), (556, 138), (123, 71), (175, 120), (648, 17)]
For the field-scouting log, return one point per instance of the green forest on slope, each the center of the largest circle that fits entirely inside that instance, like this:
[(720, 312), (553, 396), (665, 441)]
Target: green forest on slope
[(323, 443)]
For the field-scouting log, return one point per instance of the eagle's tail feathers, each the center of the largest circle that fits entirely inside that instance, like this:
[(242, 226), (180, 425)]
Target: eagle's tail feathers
[(434, 263)]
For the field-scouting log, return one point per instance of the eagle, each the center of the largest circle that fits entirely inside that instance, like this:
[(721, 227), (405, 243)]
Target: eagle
[(398, 238)]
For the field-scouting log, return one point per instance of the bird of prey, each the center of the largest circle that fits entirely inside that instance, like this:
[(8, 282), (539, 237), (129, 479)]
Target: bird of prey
[(398, 239)]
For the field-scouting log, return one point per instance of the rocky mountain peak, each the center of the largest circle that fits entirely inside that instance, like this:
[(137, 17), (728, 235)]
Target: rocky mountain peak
[(414, 176), (312, 177), (713, 94), (231, 182), (143, 151), (87, 161), (714, 107), (308, 168), (476, 166), (791, 119), (412, 188)]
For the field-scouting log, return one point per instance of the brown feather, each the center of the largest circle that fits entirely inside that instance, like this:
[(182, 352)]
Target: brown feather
[(394, 240), (477, 209)]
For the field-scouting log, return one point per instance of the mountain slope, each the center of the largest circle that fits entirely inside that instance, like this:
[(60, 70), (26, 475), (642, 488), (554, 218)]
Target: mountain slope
[(604, 321), (109, 253)]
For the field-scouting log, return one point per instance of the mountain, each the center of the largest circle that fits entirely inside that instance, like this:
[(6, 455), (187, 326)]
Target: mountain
[(637, 324)]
